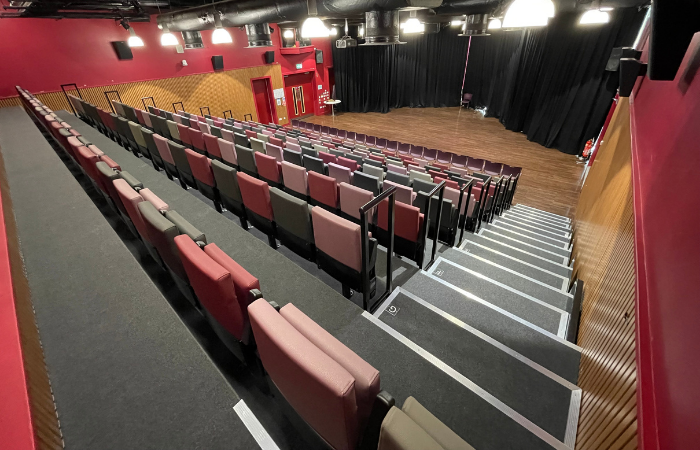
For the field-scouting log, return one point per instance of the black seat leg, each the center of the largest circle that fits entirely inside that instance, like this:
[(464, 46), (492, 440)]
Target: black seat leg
[(244, 223), (347, 292), (272, 241)]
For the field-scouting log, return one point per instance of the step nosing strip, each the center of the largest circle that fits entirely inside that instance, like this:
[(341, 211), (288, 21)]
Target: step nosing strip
[(543, 213), (539, 220), (514, 273), (509, 220), (467, 383), (254, 426), (483, 230), (564, 240), (562, 247), (521, 250)]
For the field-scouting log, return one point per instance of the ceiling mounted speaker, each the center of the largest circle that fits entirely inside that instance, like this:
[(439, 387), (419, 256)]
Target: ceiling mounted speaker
[(382, 28), (258, 35), (476, 25)]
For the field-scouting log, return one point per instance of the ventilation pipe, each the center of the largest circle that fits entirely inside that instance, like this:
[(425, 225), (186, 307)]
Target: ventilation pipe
[(258, 35), (382, 28), (236, 13)]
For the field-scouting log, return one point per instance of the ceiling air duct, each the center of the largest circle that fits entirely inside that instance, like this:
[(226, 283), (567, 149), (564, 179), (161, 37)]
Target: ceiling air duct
[(382, 28), (258, 35), (476, 25)]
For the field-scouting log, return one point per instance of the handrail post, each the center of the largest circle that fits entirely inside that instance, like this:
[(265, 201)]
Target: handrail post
[(201, 108), (228, 111), (178, 103), (466, 208), (246, 115), (390, 249), (144, 103), (63, 88), (109, 101), (437, 222), (364, 225), (426, 219)]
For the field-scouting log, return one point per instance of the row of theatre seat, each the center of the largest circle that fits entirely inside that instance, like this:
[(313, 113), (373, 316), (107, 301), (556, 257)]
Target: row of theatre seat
[(335, 393), (314, 171)]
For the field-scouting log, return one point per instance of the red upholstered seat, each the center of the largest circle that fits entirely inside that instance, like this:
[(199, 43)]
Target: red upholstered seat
[(256, 195), (212, 284), (376, 157), (211, 143), (349, 163), (130, 199), (323, 189), (338, 238), (441, 166), (276, 141), (267, 167), (184, 134), (163, 148), (87, 160), (408, 220), (327, 157), (448, 183), (149, 196), (201, 167), (404, 194), (295, 178), (352, 198), (366, 377), (251, 134), (110, 162), (197, 139), (228, 151), (320, 390)]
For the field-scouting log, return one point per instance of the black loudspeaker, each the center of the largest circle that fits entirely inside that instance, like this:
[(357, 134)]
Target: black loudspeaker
[(620, 52), (269, 57), (319, 56), (217, 62), (673, 23), (123, 50), (630, 69)]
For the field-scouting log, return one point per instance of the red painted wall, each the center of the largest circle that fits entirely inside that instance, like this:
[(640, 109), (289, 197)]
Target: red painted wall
[(42, 54), (665, 158)]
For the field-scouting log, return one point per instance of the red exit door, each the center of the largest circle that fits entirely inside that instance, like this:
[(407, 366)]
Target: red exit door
[(298, 90), (264, 103)]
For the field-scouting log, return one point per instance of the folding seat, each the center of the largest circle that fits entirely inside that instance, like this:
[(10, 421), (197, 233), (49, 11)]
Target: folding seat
[(492, 168), (337, 153), (444, 157), (204, 127), (256, 199), (441, 166), (290, 140), (183, 165), (448, 183), (374, 171), (351, 161), (251, 134), (126, 138), (162, 126), (434, 174), (475, 164), (295, 180), (360, 138), (293, 223), (351, 199), (413, 174), (339, 251), (211, 145), (315, 164), (420, 185), (246, 160), (257, 145), (274, 151), (174, 131), (241, 140), (281, 136), (268, 169), (203, 176), (381, 143), (514, 173), (292, 156), (393, 146), (414, 150), (371, 141), (118, 108), (430, 167), (87, 160), (227, 135), (130, 199), (341, 174), (292, 146), (295, 123), (216, 131), (323, 191), (320, 148), (197, 140), (327, 157), (396, 168), (177, 118), (263, 138), (307, 151), (351, 135), (459, 161), (167, 115), (105, 176), (398, 178), (139, 139), (409, 234), (213, 284), (449, 218), (226, 179), (404, 194), (209, 121), (186, 120), (367, 182)]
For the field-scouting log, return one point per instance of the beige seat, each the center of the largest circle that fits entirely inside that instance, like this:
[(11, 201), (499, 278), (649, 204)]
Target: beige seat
[(414, 428)]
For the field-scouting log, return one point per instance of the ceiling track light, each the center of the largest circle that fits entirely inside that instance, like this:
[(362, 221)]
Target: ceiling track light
[(220, 35), (168, 39), (528, 13), (313, 27), (413, 25), (134, 41), (594, 17)]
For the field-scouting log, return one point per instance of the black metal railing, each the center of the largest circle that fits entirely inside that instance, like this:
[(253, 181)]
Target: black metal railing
[(201, 110), (485, 184), (231, 114), (178, 103), (143, 101), (109, 100), (63, 88), (468, 187), (245, 117), (364, 232), (426, 219)]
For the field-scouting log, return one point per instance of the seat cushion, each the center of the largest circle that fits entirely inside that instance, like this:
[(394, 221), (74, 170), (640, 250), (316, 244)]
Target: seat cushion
[(292, 214), (149, 196), (320, 390), (442, 434), (400, 432), (226, 180), (338, 238), (256, 195), (201, 167)]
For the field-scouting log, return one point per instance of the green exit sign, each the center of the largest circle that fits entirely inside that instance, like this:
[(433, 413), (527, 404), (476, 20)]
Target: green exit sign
[(298, 66)]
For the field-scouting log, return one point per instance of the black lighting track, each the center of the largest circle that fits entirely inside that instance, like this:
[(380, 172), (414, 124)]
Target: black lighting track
[(65, 94), (143, 100), (109, 101)]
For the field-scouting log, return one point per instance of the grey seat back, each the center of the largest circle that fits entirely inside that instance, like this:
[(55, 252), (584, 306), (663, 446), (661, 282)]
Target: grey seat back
[(398, 178), (226, 180), (241, 139), (357, 158), (366, 182), (292, 156), (257, 145), (184, 227), (372, 162), (446, 215), (337, 152), (309, 151), (374, 171), (162, 233), (315, 164), (150, 143), (292, 214), (423, 186), (246, 159), (180, 158), (216, 131)]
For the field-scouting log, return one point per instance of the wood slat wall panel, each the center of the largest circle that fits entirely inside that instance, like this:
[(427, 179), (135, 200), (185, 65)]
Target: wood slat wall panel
[(43, 409), (220, 91), (604, 253)]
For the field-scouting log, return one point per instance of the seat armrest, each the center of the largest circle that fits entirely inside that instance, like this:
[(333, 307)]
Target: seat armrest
[(382, 404), (255, 294)]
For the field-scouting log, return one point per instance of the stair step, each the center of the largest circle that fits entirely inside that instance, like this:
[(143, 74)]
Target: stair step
[(535, 234), (527, 220), (547, 349), (540, 220), (528, 247), (536, 393), (542, 212), (533, 228), (554, 296), (543, 242)]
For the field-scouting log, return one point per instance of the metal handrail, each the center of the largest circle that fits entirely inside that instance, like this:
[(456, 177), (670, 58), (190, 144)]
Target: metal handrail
[(228, 111), (202, 112), (364, 232), (426, 220), (109, 101), (466, 185), (178, 103), (63, 88), (144, 103), (246, 115)]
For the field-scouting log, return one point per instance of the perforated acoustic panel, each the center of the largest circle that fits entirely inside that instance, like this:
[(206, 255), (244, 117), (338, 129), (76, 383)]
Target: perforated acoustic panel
[(604, 254), (220, 91)]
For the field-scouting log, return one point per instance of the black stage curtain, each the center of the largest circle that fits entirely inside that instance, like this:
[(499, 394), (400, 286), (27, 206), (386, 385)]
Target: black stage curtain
[(549, 83)]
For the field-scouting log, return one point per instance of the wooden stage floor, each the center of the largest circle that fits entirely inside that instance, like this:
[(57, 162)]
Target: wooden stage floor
[(550, 181)]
